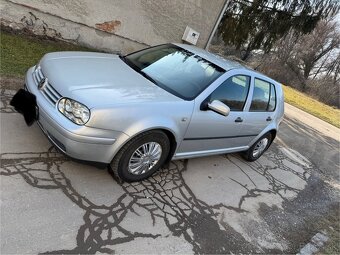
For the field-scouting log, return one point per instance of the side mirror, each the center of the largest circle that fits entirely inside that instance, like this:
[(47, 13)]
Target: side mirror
[(219, 107)]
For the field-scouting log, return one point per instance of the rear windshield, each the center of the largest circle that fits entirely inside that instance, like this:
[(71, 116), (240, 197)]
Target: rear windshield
[(174, 69)]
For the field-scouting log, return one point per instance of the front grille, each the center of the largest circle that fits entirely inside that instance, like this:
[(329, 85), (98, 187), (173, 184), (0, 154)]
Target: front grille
[(48, 91)]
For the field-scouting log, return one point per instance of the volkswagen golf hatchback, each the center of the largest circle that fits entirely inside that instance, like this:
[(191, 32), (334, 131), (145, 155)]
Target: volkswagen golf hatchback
[(138, 111)]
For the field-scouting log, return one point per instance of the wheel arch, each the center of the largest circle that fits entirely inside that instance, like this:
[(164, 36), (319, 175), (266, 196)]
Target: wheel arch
[(169, 133), (273, 132)]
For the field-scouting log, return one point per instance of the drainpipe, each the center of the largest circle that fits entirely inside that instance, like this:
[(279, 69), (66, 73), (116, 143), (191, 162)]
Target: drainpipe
[(226, 3)]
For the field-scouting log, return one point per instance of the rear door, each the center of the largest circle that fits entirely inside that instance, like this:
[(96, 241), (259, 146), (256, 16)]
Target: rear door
[(262, 107)]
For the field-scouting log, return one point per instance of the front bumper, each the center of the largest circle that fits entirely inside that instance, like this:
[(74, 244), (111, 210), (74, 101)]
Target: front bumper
[(80, 142)]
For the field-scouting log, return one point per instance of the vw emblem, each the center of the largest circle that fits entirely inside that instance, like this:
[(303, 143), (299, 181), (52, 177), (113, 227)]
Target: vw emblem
[(42, 83)]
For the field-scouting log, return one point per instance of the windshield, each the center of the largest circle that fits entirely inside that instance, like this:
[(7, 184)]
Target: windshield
[(174, 69)]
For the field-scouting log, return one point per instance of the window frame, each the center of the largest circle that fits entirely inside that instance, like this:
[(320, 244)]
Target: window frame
[(208, 99), (270, 91)]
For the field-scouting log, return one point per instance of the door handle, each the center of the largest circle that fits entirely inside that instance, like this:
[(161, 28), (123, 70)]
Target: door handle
[(239, 119), (269, 119)]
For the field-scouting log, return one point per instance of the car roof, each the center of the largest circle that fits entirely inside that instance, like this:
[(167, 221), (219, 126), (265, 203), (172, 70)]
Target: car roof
[(226, 64)]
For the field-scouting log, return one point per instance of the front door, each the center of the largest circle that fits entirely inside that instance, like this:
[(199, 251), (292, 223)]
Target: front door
[(209, 131)]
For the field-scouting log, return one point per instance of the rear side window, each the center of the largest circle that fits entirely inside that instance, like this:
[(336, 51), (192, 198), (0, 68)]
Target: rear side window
[(233, 92), (264, 97)]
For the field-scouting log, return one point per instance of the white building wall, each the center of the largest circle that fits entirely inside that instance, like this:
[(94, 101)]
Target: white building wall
[(113, 25)]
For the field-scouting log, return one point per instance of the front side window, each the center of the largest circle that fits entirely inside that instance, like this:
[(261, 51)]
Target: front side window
[(264, 97), (174, 69), (233, 92)]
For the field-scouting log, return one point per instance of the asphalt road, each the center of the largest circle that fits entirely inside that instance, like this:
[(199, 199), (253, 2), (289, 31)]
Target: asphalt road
[(220, 204)]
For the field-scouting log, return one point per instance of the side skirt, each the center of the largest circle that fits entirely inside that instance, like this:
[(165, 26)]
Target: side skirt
[(194, 154)]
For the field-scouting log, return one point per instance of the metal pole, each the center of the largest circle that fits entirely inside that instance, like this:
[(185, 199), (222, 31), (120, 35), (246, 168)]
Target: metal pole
[(226, 3)]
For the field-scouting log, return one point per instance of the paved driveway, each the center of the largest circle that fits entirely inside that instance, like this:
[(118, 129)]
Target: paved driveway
[(221, 204)]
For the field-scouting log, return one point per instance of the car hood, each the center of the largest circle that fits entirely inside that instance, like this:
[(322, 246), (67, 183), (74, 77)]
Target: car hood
[(98, 79)]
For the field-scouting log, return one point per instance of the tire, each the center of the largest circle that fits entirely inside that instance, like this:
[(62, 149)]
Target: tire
[(132, 155), (251, 155)]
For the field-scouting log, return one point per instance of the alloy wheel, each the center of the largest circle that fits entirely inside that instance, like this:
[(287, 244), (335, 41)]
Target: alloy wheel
[(144, 158), (260, 147)]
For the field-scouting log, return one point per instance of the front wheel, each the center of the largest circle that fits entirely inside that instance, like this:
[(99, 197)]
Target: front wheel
[(141, 157), (258, 148)]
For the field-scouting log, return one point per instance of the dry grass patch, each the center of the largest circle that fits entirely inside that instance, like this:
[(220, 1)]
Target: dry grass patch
[(312, 106)]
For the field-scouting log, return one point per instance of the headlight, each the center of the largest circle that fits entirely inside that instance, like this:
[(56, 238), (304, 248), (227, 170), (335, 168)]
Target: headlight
[(74, 111)]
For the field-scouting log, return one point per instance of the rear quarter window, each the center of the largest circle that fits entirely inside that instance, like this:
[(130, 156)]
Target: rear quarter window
[(272, 100)]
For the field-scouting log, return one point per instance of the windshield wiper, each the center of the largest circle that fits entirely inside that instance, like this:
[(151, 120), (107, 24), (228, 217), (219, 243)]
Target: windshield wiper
[(137, 69), (147, 76)]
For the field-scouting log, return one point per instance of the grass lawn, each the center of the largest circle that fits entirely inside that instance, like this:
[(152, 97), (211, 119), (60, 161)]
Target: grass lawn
[(19, 52), (312, 106)]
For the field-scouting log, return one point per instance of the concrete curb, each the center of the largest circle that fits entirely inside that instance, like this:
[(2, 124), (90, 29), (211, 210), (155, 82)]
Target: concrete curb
[(312, 121), (316, 243)]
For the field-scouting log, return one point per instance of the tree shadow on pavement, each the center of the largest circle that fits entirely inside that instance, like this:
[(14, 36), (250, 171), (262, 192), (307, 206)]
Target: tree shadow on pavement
[(165, 196)]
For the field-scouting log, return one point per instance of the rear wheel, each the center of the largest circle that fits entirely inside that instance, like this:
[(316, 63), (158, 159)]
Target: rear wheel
[(141, 157), (258, 148)]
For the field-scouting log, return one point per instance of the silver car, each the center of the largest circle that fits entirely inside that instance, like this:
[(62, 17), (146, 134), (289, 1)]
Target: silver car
[(137, 112)]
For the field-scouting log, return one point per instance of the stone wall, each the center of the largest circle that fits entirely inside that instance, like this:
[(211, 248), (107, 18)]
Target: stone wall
[(113, 25)]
